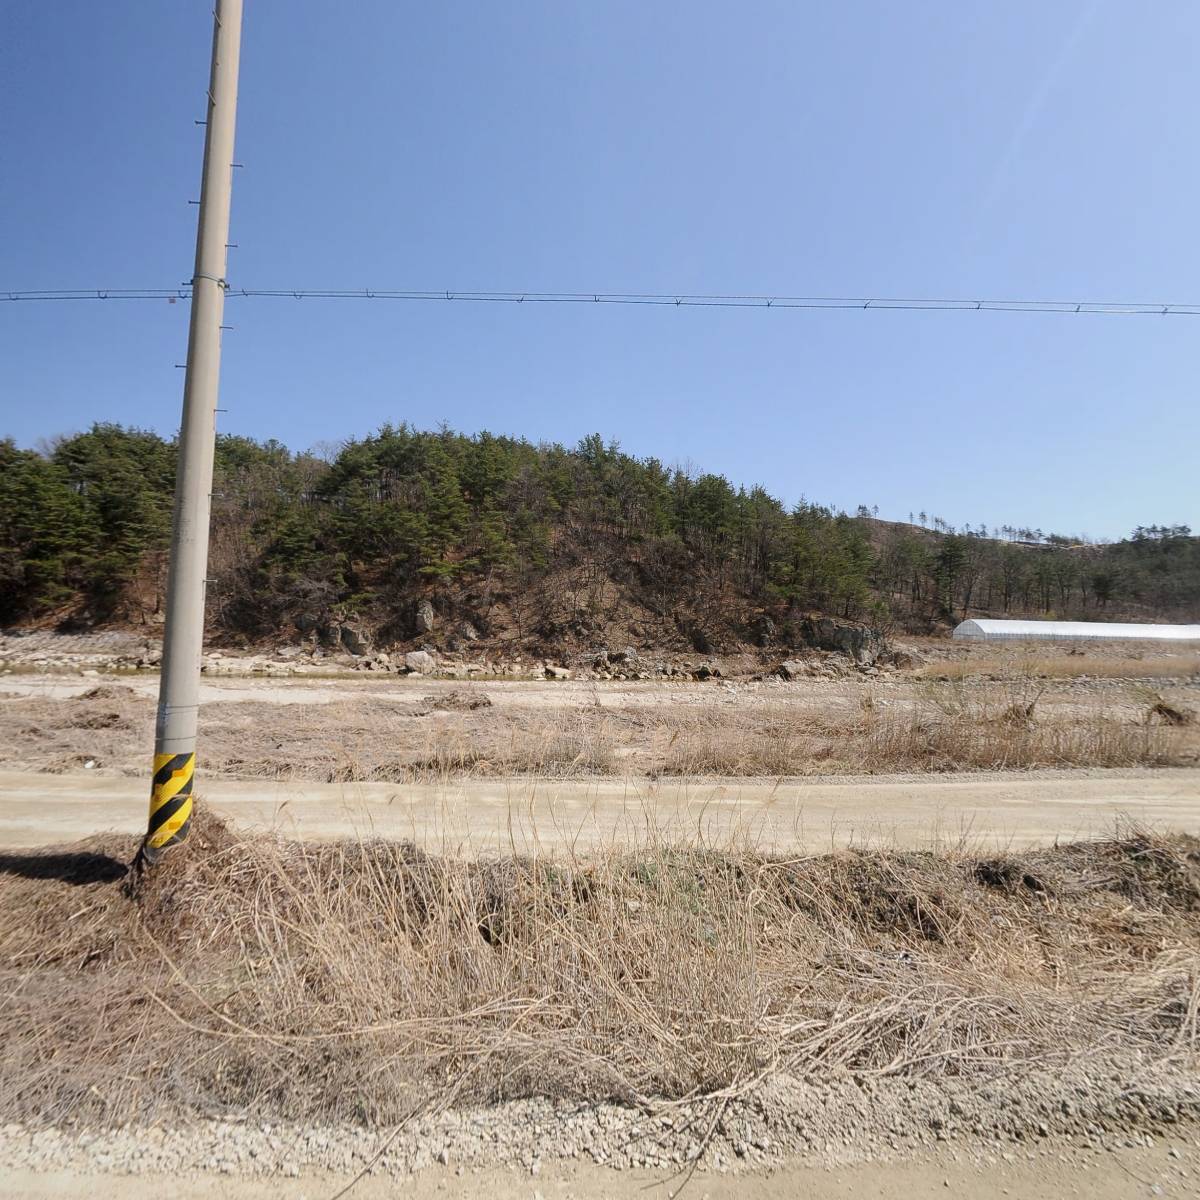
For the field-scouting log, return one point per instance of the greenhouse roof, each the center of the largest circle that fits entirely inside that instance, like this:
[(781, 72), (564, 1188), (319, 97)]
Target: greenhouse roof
[(988, 630)]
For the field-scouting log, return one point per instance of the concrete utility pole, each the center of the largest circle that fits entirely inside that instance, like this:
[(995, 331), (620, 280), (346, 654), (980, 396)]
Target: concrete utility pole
[(179, 688)]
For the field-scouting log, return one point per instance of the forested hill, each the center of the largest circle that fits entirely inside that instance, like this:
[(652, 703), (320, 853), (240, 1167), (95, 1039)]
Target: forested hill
[(539, 544)]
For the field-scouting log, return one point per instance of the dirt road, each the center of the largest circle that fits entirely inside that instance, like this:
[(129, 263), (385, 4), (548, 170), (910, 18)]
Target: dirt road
[(554, 816), (1168, 1169)]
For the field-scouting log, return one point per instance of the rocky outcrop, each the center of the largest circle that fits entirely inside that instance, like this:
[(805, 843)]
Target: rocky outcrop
[(424, 619), (356, 641), (859, 642), (764, 630)]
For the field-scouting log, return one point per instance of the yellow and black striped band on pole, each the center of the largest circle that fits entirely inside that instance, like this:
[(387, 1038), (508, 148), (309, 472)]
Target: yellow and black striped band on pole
[(170, 804)]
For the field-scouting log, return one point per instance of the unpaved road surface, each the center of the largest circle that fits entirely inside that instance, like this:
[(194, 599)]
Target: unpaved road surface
[(553, 816), (1170, 1169)]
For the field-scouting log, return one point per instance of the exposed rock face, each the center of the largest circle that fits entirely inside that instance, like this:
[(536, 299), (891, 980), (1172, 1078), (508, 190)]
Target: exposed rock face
[(420, 660), (309, 622), (764, 630), (357, 641), (860, 642), (424, 617)]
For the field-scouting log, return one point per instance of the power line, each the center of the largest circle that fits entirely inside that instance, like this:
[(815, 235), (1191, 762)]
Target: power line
[(663, 299), (180, 293)]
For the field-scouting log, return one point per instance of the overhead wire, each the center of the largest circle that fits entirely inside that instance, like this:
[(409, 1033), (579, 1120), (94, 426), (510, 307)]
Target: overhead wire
[(653, 299), (180, 293)]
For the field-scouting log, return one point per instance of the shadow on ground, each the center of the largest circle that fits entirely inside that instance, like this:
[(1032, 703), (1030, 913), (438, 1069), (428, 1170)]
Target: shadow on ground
[(74, 868)]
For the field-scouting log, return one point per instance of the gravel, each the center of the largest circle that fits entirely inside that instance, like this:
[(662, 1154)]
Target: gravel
[(1099, 1106)]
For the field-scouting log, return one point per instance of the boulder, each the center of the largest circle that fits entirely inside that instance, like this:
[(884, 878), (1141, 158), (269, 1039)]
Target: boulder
[(792, 669), (553, 672), (420, 660), (424, 616), (905, 658)]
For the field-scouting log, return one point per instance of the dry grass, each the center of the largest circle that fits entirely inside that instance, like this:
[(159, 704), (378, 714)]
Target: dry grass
[(355, 742), (923, 726), (343, 741), (948, 728), (106, 725), (1016, 664), (350, 982)]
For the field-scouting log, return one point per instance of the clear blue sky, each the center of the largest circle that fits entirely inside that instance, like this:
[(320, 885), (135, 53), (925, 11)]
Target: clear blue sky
[(978, 148)]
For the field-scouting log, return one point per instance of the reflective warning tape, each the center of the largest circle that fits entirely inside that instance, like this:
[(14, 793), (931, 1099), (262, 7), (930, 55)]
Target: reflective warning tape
[(170, 803)]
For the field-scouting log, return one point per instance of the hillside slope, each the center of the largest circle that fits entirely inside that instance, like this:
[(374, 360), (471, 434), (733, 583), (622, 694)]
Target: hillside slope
[(405, 533)]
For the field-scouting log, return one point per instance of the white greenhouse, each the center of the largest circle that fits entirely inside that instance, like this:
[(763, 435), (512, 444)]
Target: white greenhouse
[(1000, 631)]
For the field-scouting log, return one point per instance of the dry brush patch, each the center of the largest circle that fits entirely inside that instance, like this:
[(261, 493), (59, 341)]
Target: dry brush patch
[(358, 981), (1039, 664), (107, 725), (926, 726), (353, 741), (946, 727)]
